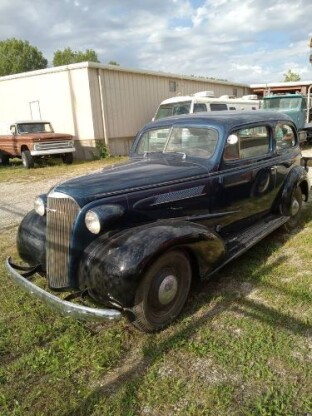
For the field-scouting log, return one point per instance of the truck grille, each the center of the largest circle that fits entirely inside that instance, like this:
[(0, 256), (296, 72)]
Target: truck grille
[(55, 144), (61, 214)]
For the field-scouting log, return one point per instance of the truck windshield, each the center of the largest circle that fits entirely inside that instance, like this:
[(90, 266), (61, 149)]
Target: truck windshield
[(34, 128), (283, 103), (173, 109), (191, 141)]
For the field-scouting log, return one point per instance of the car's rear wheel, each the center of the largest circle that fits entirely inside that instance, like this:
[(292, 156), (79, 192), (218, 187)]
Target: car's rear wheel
[(294, 210), (162, 292), (27, 159)]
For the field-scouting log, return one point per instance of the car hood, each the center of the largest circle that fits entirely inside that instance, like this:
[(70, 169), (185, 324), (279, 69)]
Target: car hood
[(128, 177)]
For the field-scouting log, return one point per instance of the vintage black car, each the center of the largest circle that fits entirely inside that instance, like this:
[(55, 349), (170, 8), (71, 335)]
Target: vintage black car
[(197, 192)]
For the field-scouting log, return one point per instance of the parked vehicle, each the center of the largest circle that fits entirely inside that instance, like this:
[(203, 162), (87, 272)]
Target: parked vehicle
[(204, 101), (135, 236), (33, 140), (297, 106)]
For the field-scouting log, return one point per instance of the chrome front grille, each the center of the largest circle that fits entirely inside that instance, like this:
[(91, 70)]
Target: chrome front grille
[(61, 214), (55, 144)]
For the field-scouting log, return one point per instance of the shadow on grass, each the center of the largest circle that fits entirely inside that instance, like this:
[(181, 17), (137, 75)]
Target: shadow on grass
[(125, 380)]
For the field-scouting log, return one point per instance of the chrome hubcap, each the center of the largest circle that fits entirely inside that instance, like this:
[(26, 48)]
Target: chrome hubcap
[(167, 289), (295, 207)]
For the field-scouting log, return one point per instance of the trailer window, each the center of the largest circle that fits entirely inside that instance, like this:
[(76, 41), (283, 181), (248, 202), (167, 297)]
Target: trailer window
[(199, 107), (218, 107)]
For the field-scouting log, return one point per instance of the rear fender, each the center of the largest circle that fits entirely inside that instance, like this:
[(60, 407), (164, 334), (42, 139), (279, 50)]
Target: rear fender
[(296, 177), (116, 265)]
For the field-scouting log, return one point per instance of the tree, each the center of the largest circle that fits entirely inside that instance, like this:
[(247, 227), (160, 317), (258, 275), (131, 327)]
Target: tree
[(19, 56), (67, 56), (113, 63), (291, 76)]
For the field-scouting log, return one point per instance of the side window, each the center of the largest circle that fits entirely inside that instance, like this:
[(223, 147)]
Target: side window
[(285, 137), (247, 143), (198, 107), (218, 107)]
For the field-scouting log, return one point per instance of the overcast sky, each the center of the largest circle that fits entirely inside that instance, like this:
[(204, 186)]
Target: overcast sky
[(247, 41)]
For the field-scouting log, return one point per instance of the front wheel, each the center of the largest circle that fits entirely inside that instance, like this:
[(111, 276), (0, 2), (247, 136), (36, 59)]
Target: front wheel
[(68, 158), (27, 159), (294, 209), (162, 292)]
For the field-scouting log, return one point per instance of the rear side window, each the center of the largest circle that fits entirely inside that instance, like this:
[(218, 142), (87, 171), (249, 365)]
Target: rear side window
[(247, 143), (285, 137)]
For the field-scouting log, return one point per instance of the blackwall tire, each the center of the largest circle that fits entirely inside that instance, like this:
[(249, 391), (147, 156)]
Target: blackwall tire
[(27, 159), (4, 160), (68, 158), (162, 292), (295, 210)]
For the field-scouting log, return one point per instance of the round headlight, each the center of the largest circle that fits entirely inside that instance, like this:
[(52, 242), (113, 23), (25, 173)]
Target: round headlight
[(93, 222), (39, 206)]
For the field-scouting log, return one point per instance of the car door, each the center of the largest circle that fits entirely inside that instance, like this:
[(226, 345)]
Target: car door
[(246, 184)]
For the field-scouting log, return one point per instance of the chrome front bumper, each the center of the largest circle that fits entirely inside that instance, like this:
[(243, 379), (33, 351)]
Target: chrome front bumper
[(68, 309)]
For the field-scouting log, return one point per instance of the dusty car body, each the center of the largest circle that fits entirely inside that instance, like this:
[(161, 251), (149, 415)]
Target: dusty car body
[(197, 192), (33, 140)]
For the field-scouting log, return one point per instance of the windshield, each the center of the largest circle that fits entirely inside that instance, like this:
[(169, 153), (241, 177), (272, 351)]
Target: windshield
[(282, 103), (173, 109), (34, 128), (191, 141)]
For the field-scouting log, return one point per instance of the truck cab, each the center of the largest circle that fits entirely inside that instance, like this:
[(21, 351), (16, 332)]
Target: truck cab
[(297, 107)]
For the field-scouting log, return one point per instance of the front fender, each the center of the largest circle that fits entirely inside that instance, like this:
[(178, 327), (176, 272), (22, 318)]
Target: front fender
[(31, 239), (114, 266)]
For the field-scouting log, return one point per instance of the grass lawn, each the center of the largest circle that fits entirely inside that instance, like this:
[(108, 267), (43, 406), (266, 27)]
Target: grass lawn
[(242, 346)]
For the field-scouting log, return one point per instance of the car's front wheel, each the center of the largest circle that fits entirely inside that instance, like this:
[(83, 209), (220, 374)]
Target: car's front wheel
[(162, 292)]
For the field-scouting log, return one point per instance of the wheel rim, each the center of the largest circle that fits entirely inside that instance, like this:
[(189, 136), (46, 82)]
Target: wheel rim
[(24, 159), (295, 207), (167, 289)]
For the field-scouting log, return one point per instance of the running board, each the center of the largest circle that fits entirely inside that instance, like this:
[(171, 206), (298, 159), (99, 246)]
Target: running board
[(236, 244)]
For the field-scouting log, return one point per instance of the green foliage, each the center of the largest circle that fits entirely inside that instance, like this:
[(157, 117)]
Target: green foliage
[(290, 76), (19, 56), (102, 149), (113, 63), (68, 56)]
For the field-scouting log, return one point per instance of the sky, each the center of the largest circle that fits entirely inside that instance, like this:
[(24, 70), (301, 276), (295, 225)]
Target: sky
[(243, 41)]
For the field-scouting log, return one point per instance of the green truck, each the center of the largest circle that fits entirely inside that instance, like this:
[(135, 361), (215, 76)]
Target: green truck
[(297, 106)]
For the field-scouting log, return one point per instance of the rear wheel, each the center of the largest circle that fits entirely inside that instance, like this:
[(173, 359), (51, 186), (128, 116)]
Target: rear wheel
[(162, 292), (4, 159), (27, 159), (294, 210)]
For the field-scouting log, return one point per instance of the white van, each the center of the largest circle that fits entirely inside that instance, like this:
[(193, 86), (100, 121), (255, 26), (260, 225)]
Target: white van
[(204, 101)]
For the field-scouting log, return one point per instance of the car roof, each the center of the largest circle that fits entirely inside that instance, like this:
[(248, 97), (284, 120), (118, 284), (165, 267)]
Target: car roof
[(228, 119)]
